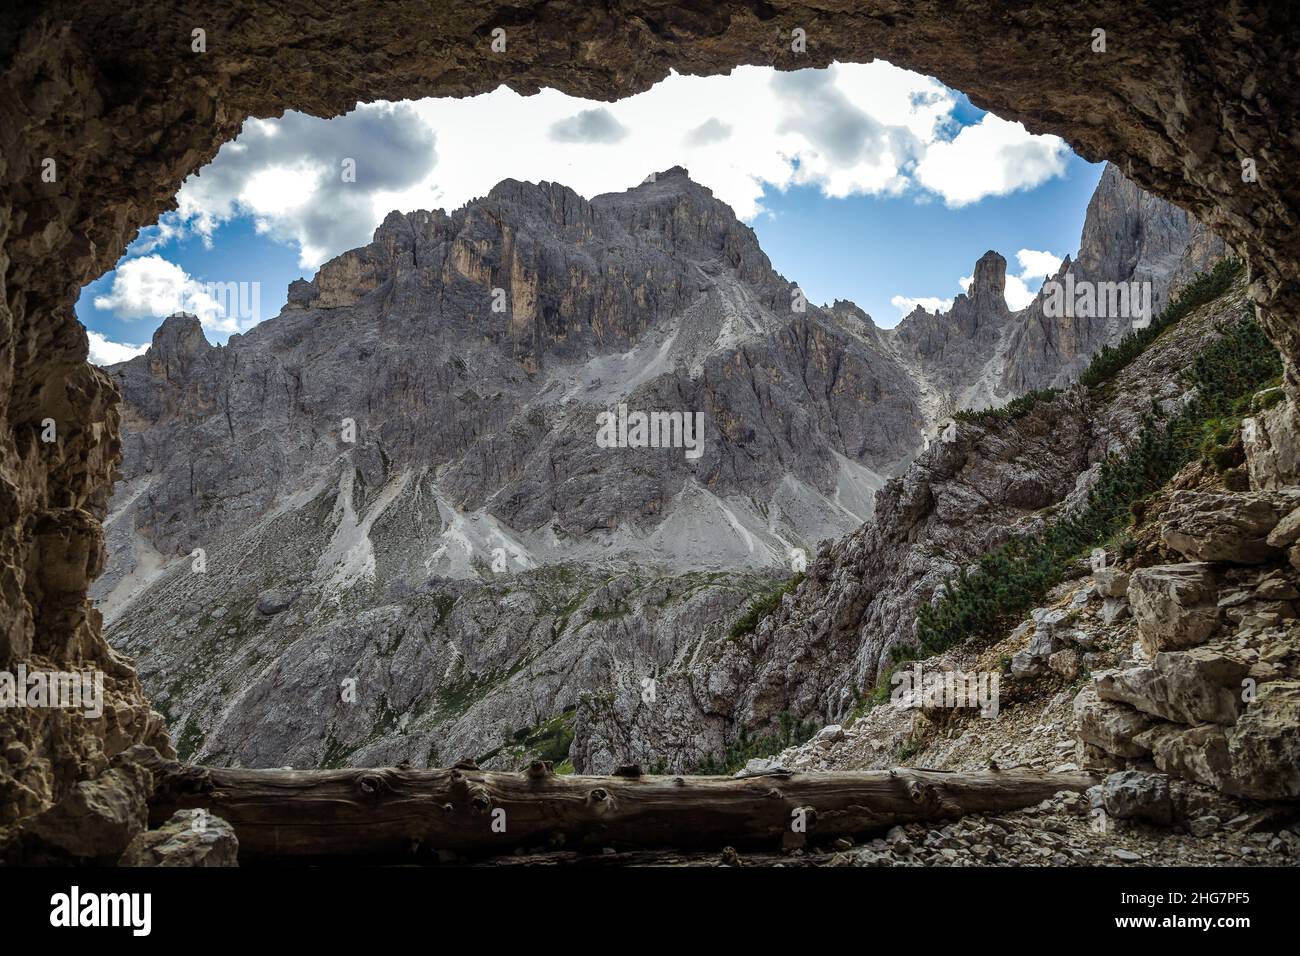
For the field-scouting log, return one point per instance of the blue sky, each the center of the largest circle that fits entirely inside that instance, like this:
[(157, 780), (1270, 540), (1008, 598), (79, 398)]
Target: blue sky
[(866, 183), (869, 249)]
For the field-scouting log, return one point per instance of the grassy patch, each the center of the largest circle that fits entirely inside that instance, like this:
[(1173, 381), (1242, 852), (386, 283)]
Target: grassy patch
[(549, 740), (189, 740)]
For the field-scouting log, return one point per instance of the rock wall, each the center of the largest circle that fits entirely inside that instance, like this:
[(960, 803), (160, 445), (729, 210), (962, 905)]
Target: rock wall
[(113, 100)]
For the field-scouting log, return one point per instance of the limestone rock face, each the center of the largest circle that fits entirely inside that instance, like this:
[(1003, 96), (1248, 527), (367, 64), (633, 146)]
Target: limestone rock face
[(1221, 713), (1202, 685), (1128, 237), (94, 822), (980, 353), (189, 838), (474, 460), (952, 348), (1132, 236), (958, 500), (1111, 727), (1265, 749), (1132, 795), (1197, 753), (1174, 605), (1226, 527), (1111, 582), (1272, 444), (460, 379)]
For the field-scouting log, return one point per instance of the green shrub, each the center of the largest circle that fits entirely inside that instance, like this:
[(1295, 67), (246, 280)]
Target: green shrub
[(1017, 576), (1016, 408), (1267, 397), (1206, 287), (790, 733), (762, 606)]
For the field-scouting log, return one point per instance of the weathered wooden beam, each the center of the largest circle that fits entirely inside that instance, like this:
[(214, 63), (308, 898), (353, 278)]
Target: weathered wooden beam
[(395, 814)]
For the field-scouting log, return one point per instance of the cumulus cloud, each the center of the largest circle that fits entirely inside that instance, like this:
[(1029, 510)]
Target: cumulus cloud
[(321, 184), (907, 304), (1035, 266), (845, 147), (104, 352), (589, 126), (991, 158), (850, 129), (712, 130), (150, 287), (1038, 264)]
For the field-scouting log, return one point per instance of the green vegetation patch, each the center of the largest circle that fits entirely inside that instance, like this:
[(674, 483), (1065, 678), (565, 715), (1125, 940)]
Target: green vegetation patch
[(1205, 288), (1015, 577), (790, 733), (1016, 408), (763, 605), (549, 740)]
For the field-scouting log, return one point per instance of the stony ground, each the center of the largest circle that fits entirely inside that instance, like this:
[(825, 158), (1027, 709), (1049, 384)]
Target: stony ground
[(1154, 808), (1062, 831)]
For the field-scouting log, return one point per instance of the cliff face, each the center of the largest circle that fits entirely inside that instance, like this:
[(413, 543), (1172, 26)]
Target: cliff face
[(379, 484), (952, 351), (827, 641), (1128, 237), (980, 353), (455, 369)]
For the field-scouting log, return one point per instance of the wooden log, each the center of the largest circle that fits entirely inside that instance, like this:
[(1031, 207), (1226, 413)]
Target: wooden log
[(391, 813), (397, 814)]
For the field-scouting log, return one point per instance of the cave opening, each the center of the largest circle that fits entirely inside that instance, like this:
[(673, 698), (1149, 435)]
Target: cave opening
[(167, 111)]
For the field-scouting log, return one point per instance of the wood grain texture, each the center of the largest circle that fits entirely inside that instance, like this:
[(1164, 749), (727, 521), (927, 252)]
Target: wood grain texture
[(395, 814)]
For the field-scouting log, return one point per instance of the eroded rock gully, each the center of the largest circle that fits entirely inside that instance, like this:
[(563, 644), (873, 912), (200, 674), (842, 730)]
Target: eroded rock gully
[(113, 94)]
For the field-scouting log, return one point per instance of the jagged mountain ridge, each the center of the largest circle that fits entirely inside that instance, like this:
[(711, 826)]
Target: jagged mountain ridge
[(328, 561), (981, 354), (827, 641), (657, 297)]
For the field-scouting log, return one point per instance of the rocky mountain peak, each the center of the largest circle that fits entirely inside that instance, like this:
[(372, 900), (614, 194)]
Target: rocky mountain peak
[(989, 284), (176, 344)]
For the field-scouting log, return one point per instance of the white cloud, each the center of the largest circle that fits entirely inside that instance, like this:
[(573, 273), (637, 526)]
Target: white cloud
[(589, 126), (311, 181), (104, 352), (906, 304), (1042, 265), (992, 158), (151, 287), (1035, 266), (850, 129), (712, 130)]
